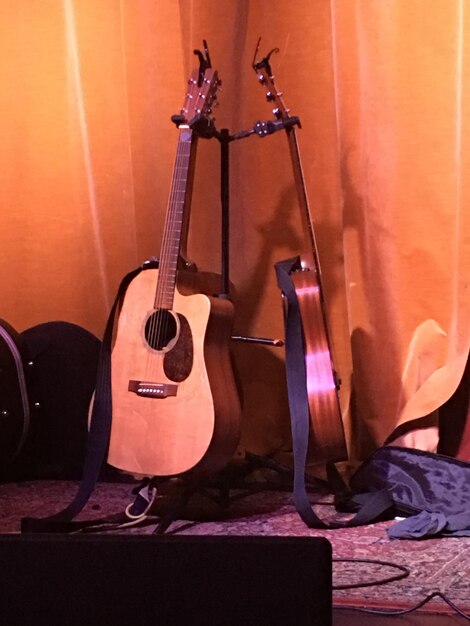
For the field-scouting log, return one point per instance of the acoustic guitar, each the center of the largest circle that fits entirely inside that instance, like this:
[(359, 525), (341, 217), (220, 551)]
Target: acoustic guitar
[(175, 403), (326, 440)]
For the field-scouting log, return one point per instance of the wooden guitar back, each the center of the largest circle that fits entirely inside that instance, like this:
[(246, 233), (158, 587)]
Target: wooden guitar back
[(326, 437)]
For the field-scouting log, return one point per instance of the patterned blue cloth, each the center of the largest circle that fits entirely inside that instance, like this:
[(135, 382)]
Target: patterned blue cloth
[(431, 491)]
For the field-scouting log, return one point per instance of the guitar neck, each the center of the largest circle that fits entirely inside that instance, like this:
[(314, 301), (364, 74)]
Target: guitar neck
[(311, 255), (177, 217)]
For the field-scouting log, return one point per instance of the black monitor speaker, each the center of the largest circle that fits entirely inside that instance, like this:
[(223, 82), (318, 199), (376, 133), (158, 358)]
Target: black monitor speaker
[(151, 580)]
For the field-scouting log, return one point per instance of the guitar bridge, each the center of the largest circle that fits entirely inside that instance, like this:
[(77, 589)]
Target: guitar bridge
[(152, 390)]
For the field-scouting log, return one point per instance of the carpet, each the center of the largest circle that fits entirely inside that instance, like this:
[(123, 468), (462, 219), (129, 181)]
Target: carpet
[(368, 568)]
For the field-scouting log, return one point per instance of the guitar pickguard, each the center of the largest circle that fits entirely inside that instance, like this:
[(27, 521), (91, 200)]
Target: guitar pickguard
[(169, 333), (178, 362)]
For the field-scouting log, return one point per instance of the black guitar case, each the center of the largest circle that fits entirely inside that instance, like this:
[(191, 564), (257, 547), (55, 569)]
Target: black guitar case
[(46, 388), (14, 400)]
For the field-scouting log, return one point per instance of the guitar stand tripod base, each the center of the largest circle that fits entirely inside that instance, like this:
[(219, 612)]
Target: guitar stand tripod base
[(176, 493), (254, 474)]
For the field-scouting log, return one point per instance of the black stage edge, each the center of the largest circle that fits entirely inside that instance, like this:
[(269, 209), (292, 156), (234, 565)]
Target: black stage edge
[(137, 580)]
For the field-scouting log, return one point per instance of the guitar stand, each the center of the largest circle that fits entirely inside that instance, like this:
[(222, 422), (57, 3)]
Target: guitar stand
[(261, 129), (174, 512), (235, 474), (184, 489)]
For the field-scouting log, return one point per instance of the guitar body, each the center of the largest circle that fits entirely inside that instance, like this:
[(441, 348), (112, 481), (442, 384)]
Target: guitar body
[(326, 442), (175, 406)]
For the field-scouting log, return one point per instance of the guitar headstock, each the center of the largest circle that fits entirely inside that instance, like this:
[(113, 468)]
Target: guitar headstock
[(201, 94), (281, 112), (266, 78)]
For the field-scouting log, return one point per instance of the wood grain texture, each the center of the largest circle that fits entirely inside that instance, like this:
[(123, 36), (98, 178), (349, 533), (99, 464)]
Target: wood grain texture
[(197, 429), (327, 441)]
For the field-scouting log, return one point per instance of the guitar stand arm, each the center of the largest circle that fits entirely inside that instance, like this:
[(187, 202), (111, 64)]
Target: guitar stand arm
[(277, 343), (225, 138), (262, 129)]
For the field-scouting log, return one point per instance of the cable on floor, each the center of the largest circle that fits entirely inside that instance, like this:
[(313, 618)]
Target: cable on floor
[(434, 594), (403, 573)]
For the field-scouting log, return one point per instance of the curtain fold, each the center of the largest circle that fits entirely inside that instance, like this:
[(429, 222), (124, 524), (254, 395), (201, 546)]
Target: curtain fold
[(403, 108)]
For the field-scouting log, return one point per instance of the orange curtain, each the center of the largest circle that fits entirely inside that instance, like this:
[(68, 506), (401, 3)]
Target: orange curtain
[(402, 92), (381, 89)]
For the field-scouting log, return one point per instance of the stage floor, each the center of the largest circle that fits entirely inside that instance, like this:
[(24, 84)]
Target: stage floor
[(364, 558)]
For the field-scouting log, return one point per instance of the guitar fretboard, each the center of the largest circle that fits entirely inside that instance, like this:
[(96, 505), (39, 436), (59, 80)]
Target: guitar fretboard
[(179, 192)]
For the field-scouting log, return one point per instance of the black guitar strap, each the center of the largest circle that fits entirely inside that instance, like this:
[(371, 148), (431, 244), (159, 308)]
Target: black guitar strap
[(99, 432), (297, 390), (300, 417)]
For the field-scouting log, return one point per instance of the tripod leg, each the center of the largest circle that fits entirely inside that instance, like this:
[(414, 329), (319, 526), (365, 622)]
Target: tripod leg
[(176, 508)]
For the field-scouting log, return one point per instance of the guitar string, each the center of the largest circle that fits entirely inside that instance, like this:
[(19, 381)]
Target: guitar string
[(159, 322), (185, 148), (158, 328), (167, 272), (177, 220), (173, 241), (153, 329)]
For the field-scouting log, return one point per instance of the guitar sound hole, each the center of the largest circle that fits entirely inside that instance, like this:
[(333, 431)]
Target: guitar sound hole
[(160, 329)]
